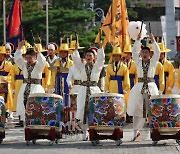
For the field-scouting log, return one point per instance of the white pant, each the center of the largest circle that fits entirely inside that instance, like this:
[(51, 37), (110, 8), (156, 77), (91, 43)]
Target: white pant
[(138, 122)]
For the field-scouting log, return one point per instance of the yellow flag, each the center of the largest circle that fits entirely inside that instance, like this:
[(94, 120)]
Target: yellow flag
[(115, 24)]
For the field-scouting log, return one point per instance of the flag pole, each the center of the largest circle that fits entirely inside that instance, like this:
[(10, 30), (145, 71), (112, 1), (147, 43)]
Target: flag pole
[(4, 20), (47, 23)]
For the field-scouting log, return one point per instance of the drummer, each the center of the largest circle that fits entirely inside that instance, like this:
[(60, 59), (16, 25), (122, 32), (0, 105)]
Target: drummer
[(74, 81), (169, 71), (117, 74), (101, 82), (5, 79), (140, 93), (16, 81), (159, 73), (32, 71), (129, 62), (74, 78), (89, 73)]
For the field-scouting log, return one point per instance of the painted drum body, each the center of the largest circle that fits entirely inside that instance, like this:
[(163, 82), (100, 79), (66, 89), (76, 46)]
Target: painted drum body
[(164, 112), (107, 109), (44, 109), (2, 119)]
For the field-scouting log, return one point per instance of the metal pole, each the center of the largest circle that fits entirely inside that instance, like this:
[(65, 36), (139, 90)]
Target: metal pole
[(47, 24), (4, 20)]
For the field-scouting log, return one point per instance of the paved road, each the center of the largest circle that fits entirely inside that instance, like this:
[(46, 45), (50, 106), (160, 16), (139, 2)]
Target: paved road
[(14, 144)]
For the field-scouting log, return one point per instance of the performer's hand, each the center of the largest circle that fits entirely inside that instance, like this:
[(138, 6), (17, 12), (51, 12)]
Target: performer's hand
[(160, 92), (151, 37), (36, 49), (101, 44), (124, 91), (70, 87), (139, 36), (169, 89), (21, 44)]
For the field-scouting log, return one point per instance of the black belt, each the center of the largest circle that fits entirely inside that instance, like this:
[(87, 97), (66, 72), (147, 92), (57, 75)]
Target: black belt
[(88, 83), (144, 80), (32, 81), (77, 82)]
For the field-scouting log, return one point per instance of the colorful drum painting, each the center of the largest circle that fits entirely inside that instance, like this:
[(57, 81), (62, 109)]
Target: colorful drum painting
[(107, 109), (2, 119), (164, 111), (44, 109)]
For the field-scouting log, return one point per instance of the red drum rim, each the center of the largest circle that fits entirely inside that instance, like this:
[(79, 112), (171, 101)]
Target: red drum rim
[(165, 96), (45, 95), (106, 94)]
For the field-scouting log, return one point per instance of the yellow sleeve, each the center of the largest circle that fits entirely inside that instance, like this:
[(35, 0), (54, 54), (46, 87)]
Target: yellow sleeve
[(47, 75), (8, 69), (171, 77), (126, 82), (107, 78), (13, 77), (178, 79), (161, 77)]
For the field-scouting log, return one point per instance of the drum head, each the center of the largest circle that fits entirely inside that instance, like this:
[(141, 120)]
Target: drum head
[(45, 95), (106, 94), (164, 96)]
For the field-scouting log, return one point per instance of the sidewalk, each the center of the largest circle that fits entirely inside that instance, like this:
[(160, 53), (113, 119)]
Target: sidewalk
[(14, 142)]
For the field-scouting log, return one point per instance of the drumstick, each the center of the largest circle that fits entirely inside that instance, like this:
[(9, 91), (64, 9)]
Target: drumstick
[(149, 27), (141, 27), (100, 34), (32, 36)]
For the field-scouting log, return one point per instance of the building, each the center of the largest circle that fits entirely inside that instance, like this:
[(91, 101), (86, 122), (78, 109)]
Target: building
[(164, 16)]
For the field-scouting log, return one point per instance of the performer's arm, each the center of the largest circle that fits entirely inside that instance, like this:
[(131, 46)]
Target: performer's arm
[(171, 77), (100, 58), (69, 77), (77, 60), (19, 60), (161, 78), (155, 57), (107, 79), (41, 61), (135, 51), (126, 82)]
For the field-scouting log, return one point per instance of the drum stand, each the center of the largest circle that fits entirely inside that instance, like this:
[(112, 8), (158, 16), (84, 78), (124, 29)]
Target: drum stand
[(32, 133), (2, 134), (156, 136), (117, 135)]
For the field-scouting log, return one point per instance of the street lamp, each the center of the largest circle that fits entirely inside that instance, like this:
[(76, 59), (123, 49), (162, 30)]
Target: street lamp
[(47, 24), (4, 20), (98, 12)]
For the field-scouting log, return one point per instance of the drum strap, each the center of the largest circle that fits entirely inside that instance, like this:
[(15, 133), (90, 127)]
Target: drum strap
[(28, 81), (145, 89), (88, 84), (131, 77)]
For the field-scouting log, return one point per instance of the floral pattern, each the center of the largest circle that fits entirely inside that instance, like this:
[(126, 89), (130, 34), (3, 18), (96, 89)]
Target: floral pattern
[(2, 114), (107, 111), (164, 112), (44, 111)]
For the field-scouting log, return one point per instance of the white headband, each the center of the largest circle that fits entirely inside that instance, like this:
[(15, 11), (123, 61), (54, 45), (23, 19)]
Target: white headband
[(51, 46), (7, 46)]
